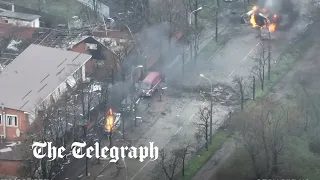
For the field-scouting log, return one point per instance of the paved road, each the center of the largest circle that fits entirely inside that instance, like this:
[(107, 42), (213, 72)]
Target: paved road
[(177, 127)]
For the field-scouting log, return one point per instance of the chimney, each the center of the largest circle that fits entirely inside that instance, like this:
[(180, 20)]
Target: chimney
[(12, 7)]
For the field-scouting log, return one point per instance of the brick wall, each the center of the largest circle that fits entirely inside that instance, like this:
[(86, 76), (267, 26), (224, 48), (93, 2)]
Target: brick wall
[(80, 48), (23, 124)]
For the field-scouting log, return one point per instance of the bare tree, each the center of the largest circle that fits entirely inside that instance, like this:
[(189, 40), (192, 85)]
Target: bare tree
[(263, 132), (182, 153), (192, 33), (202, 124), (169, 163), (248, 139), (184, 57), (49, 126), (260, 58), (241, 89), (87, 97), (120, 56)]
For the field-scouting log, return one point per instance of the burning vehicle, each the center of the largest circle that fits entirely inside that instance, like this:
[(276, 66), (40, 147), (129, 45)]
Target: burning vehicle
[(272, 15)]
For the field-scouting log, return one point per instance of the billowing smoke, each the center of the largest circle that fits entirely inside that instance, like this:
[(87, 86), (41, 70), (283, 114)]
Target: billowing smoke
[(287, 10), (156, 43)]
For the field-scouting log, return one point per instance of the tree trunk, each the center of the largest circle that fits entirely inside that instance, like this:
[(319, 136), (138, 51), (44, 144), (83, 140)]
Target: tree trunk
[(211, 114), (183, 159), (110, 139), (255, 166), (254, 88), (262, 78), (275, 168), (122, 128), (242, 102), (206, 133), (267, 154)]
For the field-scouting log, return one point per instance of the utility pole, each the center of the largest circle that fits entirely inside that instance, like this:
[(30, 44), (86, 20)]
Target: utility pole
[(269, 56), (217, 18), (196, 15)]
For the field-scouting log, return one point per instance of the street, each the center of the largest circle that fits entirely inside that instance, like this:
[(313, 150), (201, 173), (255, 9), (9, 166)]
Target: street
[(175, 125), (170, 123)]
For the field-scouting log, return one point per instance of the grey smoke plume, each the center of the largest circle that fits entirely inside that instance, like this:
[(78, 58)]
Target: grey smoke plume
[(288, 10)]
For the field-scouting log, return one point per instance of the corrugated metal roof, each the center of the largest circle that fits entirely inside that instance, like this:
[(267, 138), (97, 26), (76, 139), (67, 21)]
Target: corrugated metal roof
[(35, 74)]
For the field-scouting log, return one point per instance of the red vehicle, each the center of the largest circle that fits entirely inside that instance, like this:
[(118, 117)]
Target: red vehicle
[(151, 83)]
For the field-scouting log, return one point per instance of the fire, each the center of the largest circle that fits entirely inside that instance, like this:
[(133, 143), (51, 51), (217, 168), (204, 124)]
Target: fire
[(253, 21), (109, 126), (272, 27), (252, 17)]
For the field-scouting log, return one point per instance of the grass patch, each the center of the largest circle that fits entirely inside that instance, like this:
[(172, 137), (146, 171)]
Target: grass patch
[(239, 158), (203, 156), (304, 162), (285, 64)]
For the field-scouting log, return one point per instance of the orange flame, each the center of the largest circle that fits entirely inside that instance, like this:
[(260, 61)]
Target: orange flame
[(253, 21), (252, 17), (272, 27), (109, 126)]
